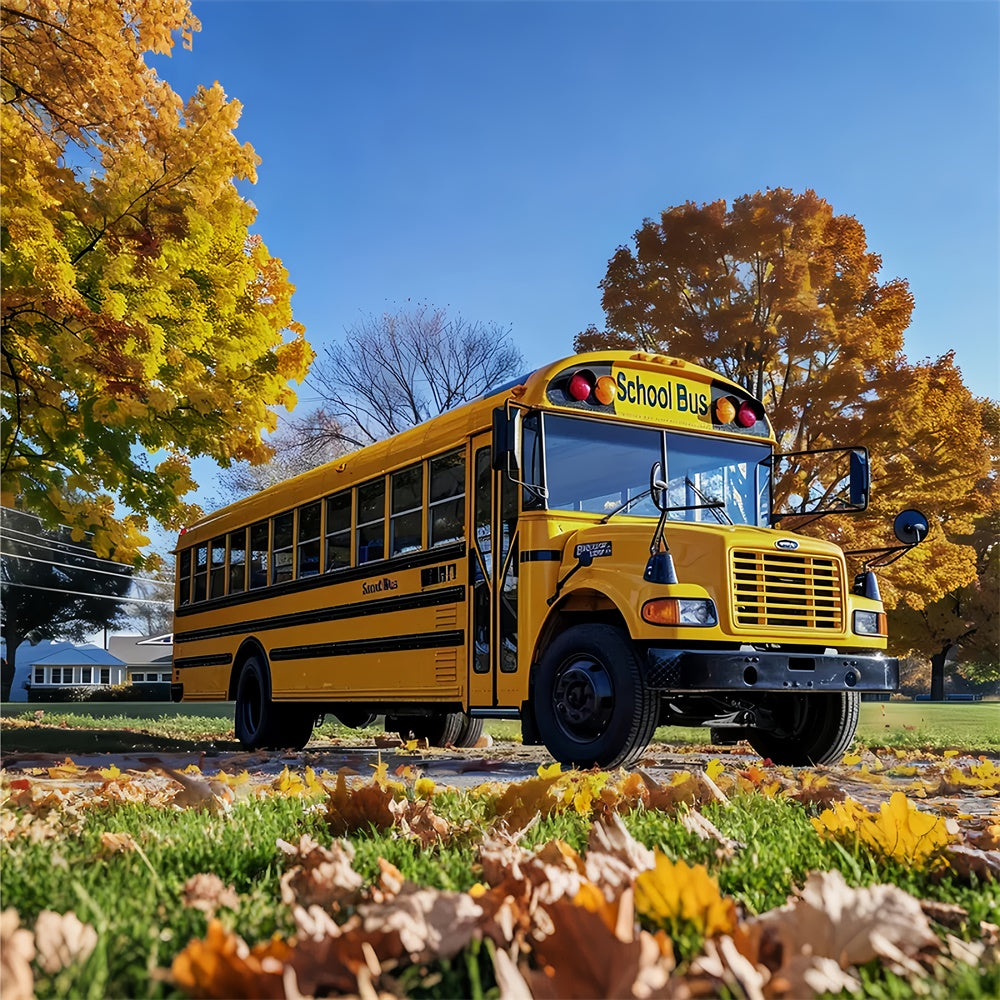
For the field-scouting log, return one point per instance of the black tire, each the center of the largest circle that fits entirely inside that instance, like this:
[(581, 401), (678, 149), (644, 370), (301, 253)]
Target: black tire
[(439, 730), (257, 721), (816, 728), (353, 717), (470, 732), (262, 724), (592, 706)]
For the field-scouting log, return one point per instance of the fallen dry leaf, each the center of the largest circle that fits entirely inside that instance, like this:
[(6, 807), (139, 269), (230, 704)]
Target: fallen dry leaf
[(17, 949), (323, 876), (674, 893), (207, 892), (350, 809), (704, 829), (968, 861), (62, 939), (614, 857), (223, 966)]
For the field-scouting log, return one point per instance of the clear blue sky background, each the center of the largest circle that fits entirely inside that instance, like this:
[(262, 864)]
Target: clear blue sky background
[(490, 157)]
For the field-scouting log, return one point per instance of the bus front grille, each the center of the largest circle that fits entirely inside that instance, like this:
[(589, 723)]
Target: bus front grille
[(784, 590)]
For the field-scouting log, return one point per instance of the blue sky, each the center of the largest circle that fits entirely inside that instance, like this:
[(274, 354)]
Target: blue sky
[(490, 157)]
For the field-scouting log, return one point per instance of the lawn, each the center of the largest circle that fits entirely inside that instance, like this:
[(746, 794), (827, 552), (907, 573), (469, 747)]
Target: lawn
[(167, 884), (111, 726)]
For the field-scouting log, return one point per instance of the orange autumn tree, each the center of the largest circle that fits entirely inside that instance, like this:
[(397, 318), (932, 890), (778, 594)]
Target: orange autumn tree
[(782, 295), (140, 316)]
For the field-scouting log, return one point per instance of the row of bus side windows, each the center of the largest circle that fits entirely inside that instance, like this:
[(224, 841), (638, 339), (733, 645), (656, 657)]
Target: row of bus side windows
[(287, 546)]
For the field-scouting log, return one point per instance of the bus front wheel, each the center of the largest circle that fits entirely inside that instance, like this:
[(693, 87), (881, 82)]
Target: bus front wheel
[(592, 706)]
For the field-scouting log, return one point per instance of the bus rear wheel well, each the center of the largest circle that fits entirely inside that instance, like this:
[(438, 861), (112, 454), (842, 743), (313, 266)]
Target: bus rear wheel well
[(250, 647)]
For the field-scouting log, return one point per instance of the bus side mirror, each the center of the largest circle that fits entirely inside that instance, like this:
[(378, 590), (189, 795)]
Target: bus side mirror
[(506, 440), (910, 527), (861, 478)]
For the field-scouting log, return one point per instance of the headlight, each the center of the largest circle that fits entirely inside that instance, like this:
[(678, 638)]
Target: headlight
[(870, 623), (679, 611)]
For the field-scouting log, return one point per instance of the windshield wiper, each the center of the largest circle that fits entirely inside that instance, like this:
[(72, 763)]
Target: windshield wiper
[(624, 506), (717, 507)]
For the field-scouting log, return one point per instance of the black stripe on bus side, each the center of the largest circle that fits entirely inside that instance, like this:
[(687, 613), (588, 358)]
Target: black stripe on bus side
[(215, 660), (406, 602), (352, 647), (380, 568), (541, 555)]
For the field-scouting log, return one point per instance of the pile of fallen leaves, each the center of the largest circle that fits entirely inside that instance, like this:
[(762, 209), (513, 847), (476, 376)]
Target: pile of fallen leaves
[(616, 919)]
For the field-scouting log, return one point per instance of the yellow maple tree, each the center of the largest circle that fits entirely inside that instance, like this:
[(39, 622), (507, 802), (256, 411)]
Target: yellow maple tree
[(142, 322)]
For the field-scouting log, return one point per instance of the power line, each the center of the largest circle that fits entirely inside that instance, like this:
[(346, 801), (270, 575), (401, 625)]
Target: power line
[(57, 546), (83, 593), (87, 569)]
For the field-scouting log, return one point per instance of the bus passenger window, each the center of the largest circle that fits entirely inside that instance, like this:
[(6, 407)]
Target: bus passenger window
[(184, 578), (258, 555), (309, 532), (446, 513), (338, 531), (371, 521), (281, 568), (407, 511), (217, 574), (237, 561), (200, 573)]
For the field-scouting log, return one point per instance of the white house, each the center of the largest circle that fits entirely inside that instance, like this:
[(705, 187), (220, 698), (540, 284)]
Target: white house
[(67, 665), (147, 659)]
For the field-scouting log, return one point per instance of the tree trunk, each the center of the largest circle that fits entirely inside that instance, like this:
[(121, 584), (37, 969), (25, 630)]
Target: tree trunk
[(9, 664), (938, 661)]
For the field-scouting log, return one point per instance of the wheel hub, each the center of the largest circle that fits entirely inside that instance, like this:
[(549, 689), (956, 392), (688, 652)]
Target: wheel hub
[(583, 698)]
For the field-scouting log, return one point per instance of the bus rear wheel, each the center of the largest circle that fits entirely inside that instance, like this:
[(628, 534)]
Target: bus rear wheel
[(444, 729), (815, 728), (261, 724), (592, 706)]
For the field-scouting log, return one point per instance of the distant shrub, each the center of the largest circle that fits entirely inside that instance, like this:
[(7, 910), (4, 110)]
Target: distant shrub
[(141, 691)]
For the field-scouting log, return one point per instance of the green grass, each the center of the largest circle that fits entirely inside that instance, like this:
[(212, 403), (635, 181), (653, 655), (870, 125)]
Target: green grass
[(134, 900), (112, 727)]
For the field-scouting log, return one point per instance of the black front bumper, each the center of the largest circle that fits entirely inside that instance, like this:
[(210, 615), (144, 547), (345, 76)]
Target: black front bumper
[(706, 670), (176, 692)]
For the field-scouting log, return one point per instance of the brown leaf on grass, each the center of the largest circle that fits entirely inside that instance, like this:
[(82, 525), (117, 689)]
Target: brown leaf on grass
[(704, 829), (331, 957), (553, 871), (62, 939), (432, 924), (419, 821), (689, 788), (17, 949), (197, 792), (831, 920), (614, 857), (223, 966), (362, 808), (584, 958), (947, 914), (207, 892), (968, 861), (118, 843), (324, 876), (811, 788), (521, 801)]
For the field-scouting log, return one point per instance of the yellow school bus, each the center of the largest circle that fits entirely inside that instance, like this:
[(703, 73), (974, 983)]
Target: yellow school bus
[(591, 549)]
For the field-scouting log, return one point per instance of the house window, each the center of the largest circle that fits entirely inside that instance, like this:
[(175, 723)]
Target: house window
[(39, 675), (407, 510), (105, 675), (85, 674), (309, 540), (136, 678), (164, 677)]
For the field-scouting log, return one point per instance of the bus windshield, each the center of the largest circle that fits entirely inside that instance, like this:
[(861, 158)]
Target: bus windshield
[(601, 467)]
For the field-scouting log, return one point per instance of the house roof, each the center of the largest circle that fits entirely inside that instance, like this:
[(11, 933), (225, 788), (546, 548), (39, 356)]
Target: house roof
[(75, 656), (137, 650)]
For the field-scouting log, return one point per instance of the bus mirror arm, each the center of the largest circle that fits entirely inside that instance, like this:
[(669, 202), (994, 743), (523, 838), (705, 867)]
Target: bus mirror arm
[(910, 528), (506, 451), (583, 558)]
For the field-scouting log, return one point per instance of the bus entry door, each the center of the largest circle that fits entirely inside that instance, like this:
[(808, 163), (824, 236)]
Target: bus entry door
[(493, 570)]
